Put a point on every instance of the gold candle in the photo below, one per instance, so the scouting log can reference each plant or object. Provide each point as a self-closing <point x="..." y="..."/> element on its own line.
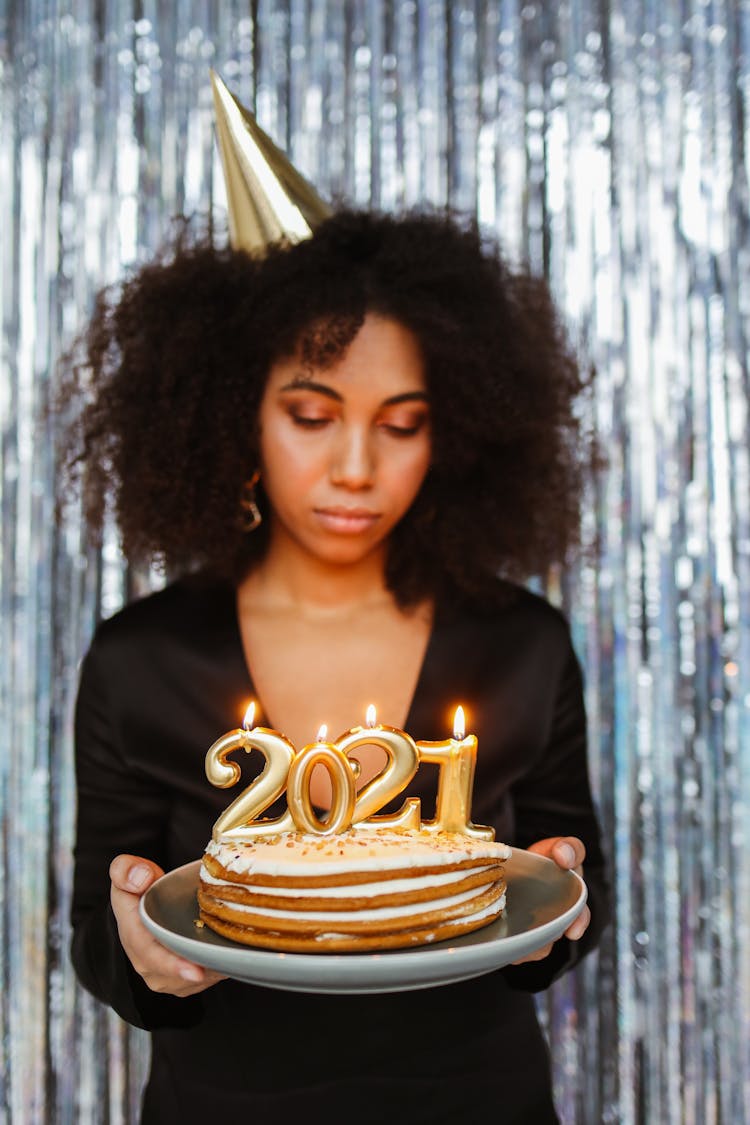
<point x="457" y="758"/>
<point x="235" y="822"/>
<point x="402" y="764"/>
<point x="343" y="792"/>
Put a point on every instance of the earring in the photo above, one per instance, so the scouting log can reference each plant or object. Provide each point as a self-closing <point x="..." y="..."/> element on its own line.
<point x="250" y="516"/>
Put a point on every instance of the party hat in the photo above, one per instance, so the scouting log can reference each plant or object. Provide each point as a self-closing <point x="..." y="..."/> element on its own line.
<point x="267" y="197"/>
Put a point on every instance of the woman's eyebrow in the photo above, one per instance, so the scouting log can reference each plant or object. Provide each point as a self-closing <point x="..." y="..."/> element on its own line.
<point x="302" y="384"/>
<point x="407" y="396"/>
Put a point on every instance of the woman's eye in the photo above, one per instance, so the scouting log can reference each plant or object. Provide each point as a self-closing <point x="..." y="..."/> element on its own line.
<point x="309" y="423"/>
<point x="405" y="429"/>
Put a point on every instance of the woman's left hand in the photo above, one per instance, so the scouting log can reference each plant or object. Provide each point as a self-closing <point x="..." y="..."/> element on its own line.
<point x="569" y="853"/>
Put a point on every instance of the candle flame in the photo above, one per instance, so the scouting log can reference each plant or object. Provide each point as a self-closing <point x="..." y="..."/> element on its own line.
<point x="459" y="724"/>
<point x="371" y="716"/>
<point x="323" y="732"/>
<point x="249" y="721"/>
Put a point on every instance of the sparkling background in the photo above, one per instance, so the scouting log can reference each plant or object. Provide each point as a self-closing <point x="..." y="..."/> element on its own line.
<point x="607" y="145"/>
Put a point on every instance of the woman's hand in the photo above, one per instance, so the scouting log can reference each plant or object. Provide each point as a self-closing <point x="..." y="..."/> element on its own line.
<point x="569" y="853"/>
<point x="161" y="970"/>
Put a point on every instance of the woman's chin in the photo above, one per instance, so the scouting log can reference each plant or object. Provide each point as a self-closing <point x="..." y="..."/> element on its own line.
<point x="327" y="547"/>
<point x="346" y="550"/>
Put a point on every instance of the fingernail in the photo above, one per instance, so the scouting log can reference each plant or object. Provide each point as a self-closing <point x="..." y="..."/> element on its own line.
<point x="138" y="876"/>
<point x="191" y="973"/>
<point x="566" y="854"/>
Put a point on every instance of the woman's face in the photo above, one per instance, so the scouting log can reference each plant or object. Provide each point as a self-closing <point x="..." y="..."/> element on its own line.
<point x="344" y="449"/>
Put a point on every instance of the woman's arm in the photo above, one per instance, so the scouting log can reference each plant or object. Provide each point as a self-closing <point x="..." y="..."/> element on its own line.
<point x="554" y="800"/>
<point x="120" y="810"/>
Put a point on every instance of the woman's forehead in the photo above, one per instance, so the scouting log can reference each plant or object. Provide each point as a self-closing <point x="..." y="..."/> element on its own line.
<point x="382" y="352"/>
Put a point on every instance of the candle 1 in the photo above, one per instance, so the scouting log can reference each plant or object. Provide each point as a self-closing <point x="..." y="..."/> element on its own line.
<point x="457" y="758"/>
<point x="343" y="793"/>
<point x="235" y="822"/>
<point x="402" y="764"/>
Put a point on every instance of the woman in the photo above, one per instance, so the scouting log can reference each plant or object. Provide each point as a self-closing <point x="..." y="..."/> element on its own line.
<point x="398" y="408"/>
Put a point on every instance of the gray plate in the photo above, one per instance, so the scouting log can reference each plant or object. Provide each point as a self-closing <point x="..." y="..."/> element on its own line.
<point x="542" y="902"/>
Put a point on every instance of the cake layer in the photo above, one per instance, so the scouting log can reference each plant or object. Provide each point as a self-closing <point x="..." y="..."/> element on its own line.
<point x="332" y="942"/>
<point x="382" y="920"/>
<point x="298" y="859"/>
<point x="356" y="896"/>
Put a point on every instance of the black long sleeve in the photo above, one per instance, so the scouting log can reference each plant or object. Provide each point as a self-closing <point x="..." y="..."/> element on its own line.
<point x="554" y="799"/>
<point x="119" y="810"/>
<point x="163" y="679"/>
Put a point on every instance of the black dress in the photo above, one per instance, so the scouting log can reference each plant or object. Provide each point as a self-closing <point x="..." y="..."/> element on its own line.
<point x="163" y="679"/>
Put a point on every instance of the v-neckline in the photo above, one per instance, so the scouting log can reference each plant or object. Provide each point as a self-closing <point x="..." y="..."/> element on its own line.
<point x="420" y="685"/>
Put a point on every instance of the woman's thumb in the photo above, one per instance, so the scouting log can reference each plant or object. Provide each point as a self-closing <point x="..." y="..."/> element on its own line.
<point x="132" y="874"/>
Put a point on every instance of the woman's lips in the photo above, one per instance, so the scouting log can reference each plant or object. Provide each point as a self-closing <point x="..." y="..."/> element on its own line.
<point x="347" y="521"/>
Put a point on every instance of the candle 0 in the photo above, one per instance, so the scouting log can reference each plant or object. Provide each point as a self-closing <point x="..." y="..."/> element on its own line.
<point x="456" y="758"/>
<point x="235" y="822"/>
<point x="402" y="764"/>
<point x="342" y="786"/>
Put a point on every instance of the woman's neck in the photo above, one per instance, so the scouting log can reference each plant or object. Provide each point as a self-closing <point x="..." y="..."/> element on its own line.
<point x="288" y="578"/>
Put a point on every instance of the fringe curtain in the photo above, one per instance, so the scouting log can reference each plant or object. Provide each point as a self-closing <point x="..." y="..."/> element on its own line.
<point x="606" y="144"/>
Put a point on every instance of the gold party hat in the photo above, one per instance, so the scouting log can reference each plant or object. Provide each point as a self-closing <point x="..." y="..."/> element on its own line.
<point x="267" y="197"/>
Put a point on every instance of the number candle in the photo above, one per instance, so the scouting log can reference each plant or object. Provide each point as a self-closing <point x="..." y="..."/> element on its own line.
<point x="457" y="758"/>
<point x="402" y="764"/>
<point x="342" y="787"/>
<point x="235" y="822"/>
<point x="286" y="769"/>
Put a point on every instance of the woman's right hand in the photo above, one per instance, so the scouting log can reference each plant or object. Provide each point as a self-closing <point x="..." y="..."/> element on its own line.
<point x="161" y="970"/>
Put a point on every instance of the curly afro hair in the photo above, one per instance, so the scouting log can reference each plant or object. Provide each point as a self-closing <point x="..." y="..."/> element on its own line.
<point x="170" y="374"/>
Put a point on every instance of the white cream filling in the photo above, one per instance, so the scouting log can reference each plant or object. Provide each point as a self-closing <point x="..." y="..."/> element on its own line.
<point x="488" y="912"/>
<point x="485" y="912"/>
<point x="353" y="890"/>
<point x="367" y="915"/>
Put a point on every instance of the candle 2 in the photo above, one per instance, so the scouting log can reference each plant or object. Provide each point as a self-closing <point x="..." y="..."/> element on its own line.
<point x="402" y="764"/>
<point x="235" y="822"/>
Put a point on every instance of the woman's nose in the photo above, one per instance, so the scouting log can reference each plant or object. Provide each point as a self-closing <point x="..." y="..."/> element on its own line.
<point x="352" y="463"/>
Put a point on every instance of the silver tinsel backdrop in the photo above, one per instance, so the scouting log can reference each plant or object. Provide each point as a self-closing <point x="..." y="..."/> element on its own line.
<point x="607" y="144"/>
